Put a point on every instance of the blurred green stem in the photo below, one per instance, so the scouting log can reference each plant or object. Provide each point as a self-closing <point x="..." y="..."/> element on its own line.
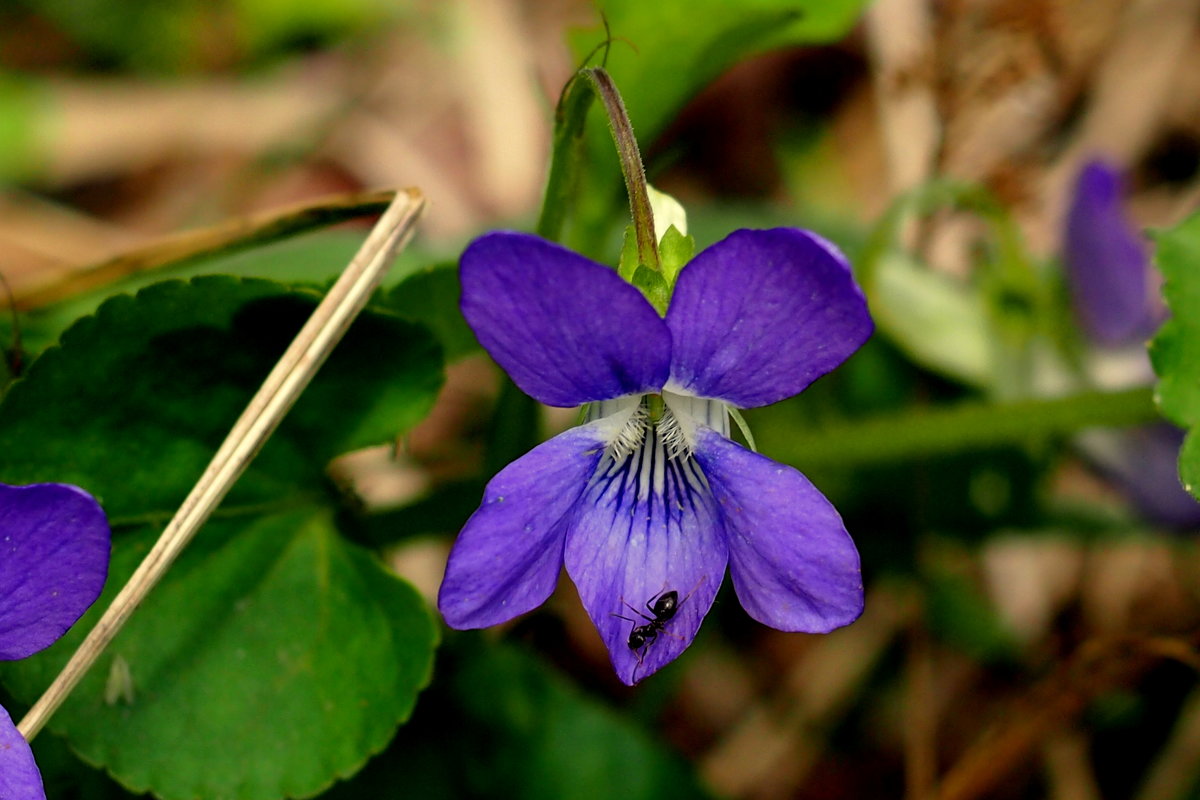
<point x="566" y="158"/>
<point x="910" y="435"/>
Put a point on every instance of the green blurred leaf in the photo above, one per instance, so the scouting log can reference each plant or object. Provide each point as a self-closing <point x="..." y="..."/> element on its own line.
<point x="178" y="35"/>
<point x="274" y="658"/>
<point x="940" y="324"/>
<point x="137" y="398"/>
<point x="499" y="724"/>
<point x="683" y="45"/>
<point x="22" y="116"/>
<point x="1175" y="352"/>
<point x="961" y="616"/>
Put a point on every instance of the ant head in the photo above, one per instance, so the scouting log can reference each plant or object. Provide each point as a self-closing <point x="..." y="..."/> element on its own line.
<point x="637" y="638"/>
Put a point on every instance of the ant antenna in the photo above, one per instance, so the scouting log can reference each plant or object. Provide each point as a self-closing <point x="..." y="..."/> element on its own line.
<point x="13" y="355"/>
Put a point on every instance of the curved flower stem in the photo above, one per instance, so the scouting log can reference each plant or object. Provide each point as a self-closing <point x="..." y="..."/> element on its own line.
<point x="631" y="165"/>
<point x="296" y="368"/>
<point x="967" y="426"/>
<point x="576" y="100"/>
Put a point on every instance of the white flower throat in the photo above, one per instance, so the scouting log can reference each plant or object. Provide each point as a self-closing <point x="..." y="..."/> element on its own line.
<point x="651" y="439"/>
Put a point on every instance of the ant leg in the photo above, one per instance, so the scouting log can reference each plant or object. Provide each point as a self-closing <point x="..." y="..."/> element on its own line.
<point x="634" y="610"/>
<point x="641" y="656"/>
<point x="650" y="603"/>
<point x="692" y="591"/>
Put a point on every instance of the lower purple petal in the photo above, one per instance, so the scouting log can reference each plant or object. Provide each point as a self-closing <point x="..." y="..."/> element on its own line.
<point x="793" y="565"/>
<point x="54" y="550"/>
<point x="1145" y="462"/>
<point x="507" y="559"/>
<point x="19" y="776"/>
<point x="645" y="526"/>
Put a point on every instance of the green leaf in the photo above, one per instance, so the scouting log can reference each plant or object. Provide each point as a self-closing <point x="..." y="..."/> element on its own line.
<point x="314" y="259"/>
<point x="271" y="631"/>
<point x="137" y="399"/>
<point x="1175" y="352"/>
<point x="430" y="296"/>
<point x="497" y="723"/>
<point x="274" y="658"/>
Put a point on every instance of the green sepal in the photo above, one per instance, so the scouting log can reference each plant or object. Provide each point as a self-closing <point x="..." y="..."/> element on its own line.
<point x="675" y="250"/>
<point x="654" y="286"/>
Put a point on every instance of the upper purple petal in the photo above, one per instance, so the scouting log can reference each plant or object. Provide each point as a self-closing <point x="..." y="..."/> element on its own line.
<point x="566" y="329"/>
<point x="1106" y="261"/>
<point x="507" y="558"/>
<point x="19" y="776"/>
<point x="54" y="550"/>
<point x="760" y="315"/>
<point x="793" y="564"/>
<point x="629" y="543"/>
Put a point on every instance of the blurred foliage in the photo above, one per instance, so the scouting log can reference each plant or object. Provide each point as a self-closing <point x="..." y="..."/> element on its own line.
<point x="1176" y="350"/>
<point x="176" y="36"/>
<point x="661" y="56"/>
<point x="498" y="723"/>
<point x="281" y="655"/>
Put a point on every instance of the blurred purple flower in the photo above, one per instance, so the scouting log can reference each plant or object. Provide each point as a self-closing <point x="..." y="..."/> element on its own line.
<point x="1109" y="276"/>
<point x="1106" y="260"/>
<point x="54" y="549"/>
<point x="649" y="495"/>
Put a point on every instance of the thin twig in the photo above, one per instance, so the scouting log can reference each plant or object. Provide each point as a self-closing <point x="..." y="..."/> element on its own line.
<point x="227" y="237"/>
<point x="267" y="408"/>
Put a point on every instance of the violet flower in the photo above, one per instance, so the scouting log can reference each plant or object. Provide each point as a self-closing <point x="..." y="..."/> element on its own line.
<point x="650" y="495"/>
<point x="54" y="549"/>
<point x="1109" y="276"/>
<point x="1107" y="264"/>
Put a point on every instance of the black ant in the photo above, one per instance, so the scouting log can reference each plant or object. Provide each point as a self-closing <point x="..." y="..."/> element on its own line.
<point x="663" y="606"/>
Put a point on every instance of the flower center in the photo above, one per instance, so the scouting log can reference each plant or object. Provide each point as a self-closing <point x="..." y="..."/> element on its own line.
<point x="666" y="421"/>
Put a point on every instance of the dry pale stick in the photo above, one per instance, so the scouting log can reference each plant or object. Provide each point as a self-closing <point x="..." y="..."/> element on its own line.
<point x="279" y="391"/>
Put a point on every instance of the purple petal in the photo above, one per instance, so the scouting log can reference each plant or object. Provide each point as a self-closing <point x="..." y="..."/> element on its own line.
<point x="1144" y="461"/>
<point x="760" y="315"/>
<point x="1106" y="261"/>
<point x="646" y="526"/>
<point x="507" y="559"/>
<point x="793" y="565"/>
<point x="19" y="776"/>
<point x="568" y="330"/>
<point x="54" y="549"/>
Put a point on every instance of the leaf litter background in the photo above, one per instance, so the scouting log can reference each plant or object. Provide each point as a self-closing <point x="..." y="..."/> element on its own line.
<point x="1025" y="635"/>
